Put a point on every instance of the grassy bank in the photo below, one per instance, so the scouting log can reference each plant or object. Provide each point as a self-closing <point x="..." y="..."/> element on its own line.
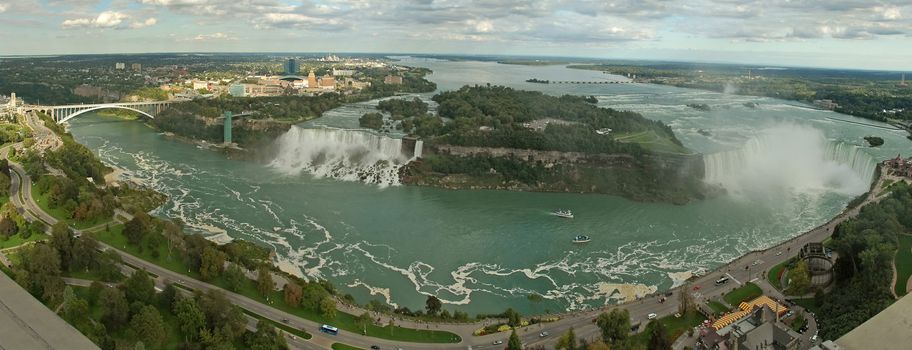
<point x="744" y="293"/>
<point x="340" y="346"/>
<point x="159" y="256"/>
<point x="17" y="240"/>
<point x="676" y="326"/>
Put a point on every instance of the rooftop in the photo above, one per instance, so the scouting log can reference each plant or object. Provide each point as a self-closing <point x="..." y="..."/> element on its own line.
<point x="25" y="323"/>
<point x="883" y="331"/>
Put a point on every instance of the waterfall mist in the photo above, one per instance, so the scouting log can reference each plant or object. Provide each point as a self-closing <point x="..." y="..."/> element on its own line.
<point x="791" y="159"/>
<point x="348" y="155"/>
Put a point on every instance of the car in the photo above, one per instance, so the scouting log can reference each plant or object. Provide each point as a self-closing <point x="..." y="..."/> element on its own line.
<point x="652" y="316"/>
<point x="756" y="262"/>
<point x="284" y="320"/>
<point x="543" y="334"/>
<point x="722" y="280"/>
<point x="374" y="347"/>
<point x="779" y="253"/>
<point x="497" y="342"/>
<point x="814" y="339"/>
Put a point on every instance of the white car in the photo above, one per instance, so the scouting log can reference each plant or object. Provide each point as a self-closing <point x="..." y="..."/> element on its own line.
<point x="779" y="253"/>
<point x="543" y="334"/>
<point x="652" y="316"/>
<point x="497" y="342"/>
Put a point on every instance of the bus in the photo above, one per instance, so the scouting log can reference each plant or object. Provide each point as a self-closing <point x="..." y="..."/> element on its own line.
<point x="329" y="329"/>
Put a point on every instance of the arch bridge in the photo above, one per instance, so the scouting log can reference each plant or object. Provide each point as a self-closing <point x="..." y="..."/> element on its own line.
<point x="63" y="113"/>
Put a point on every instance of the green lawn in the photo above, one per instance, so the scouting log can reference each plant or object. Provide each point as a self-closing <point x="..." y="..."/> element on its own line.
<point x="775" y="274"/>
<point x="674" y="325"/>
<point x="718" y="307"/>
<point x="903" y="263"/>
<point x="746" y="292"/>
<point x="282" y="326"/>
<point x="652" y="141"/>
<point x="799" y="322"/>
<point x="340" y="346"/>
<point x="343" y="321"/>
<point x="808" y="304"/>
<point x="17" y="240"/>
<point x="158" y="256"/>
<point x="42" y="200"/>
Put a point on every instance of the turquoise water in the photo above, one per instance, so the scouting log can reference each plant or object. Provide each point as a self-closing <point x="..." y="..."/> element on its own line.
<point x="787" y="168"/>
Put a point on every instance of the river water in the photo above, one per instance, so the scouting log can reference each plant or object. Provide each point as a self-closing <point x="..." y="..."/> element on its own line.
<point x="786" y="167"/>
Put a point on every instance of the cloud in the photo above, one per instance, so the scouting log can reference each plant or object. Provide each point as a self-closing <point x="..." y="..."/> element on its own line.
<point x="212" y="37"/>
<point x="108" y="20"/>
<point x="3" y="7"/>
<point x="151" y="21"/>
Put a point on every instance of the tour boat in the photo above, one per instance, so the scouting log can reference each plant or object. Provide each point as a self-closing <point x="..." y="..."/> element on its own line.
<point x="564" y="214"/>
<point x="581" y="239"/>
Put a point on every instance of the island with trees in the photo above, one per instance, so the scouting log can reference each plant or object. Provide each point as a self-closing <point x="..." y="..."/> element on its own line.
<point x="494" y="137"/>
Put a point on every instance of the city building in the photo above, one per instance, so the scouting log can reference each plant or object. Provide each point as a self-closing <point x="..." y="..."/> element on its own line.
<point x="756" y="326"/>
<point x="199" y="84"/>
<point x="393" y="80"/>
<point x="889" y="329"/>
<point x="342" y="72"/>
<point x="291" y="67"/>
<point x="136" y="67"/>
<point x="899" y="166"/>
<point x="327" y="82"/>
<point x="311" y="79"/>
<point x="120" y="65"/>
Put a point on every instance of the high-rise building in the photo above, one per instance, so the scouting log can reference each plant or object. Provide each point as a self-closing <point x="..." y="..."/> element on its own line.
<point x="291" y="67"/>
<point x="120" y="65"/>
<point x="311" y="80"/>
<point x="136" y="66"/>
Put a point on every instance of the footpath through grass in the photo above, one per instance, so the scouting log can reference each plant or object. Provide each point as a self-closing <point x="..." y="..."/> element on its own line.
<point x="746" y="292"/>
<point x="159" y="256"/>
<point x="903" y="262"/>
<point x="17" y="240"/>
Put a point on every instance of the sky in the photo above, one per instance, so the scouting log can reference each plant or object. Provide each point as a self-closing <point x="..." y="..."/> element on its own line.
<point x="835" y="33"/>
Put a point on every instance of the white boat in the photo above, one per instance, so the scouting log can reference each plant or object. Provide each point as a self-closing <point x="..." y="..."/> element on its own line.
<point x="581" y="239"/>
<point x="566" y="214"/>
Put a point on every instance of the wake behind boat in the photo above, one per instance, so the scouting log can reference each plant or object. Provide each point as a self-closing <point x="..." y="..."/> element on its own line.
<point x="581" y="239"/>
<point x="566" y="214"/>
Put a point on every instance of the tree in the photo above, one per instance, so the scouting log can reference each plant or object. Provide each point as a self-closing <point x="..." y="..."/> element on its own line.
<point x="212" y="263"/>
<point x="39" y="272"/>
<point x="432" y="305"/>
<point x="567" y="341"/>
<point x="658" y="336"/>
<point x="799" y="279"/>
<point x="293" y="294"/>
<point x="615" y="326"/>
<point x="685" y="299"/>
<point x="167" y="297"/>
<point x="598" y="345"/>
<point x="513" y="318"/>
<point x="221" y="315"/>
<point x="362" y="321"/>
<point x="84" y="252"/>
<point x="265" y="338"/>
<point x="115" y="310"/>
<point x="328" y="307"/>
<point x="149" y="326"/>
<point x="514" y="343"/>
<point x="264" y="281"/>
<point x="7" y="227"/>
<point x="62" y="241"/>
<point x="190" y="318"/>
<point x="135" y="229"/>
<point x="234" y="278"/>
<point x="139" y="287"/>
